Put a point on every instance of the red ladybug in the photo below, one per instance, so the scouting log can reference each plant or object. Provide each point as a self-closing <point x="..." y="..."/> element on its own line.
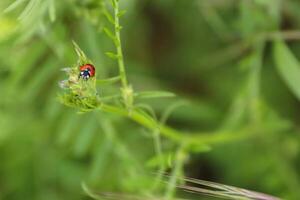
<point x="87" y="71"/>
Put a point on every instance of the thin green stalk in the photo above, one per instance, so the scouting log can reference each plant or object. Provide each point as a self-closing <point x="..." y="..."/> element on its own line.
<point x="157" y="145"/>
<point x="178" y="167"/>
<point x="158" y="152"/>
<point x="119" y="45"/>
<point x="255" y="82"/>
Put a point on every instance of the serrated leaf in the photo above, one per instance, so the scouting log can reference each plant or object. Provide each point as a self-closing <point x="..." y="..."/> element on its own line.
<point x="112" y="55"/>
<point x="154" y="94"/>
<point x="14" y="5"/>
<point x="288" y="67"/>
<point x="108" y="81"/>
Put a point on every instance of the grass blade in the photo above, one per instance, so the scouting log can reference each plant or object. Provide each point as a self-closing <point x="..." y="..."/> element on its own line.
<point x="287" y="66"/>
<point x="118" y="196"/>
<point x="222" y="191"/>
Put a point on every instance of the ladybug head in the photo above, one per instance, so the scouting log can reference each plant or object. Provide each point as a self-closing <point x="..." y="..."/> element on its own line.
<point x="85" y="74"/>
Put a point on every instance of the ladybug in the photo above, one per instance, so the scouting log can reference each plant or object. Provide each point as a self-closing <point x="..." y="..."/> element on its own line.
<point x="86" y="71"/>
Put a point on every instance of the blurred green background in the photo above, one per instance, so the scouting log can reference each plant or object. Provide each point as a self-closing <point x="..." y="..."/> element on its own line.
<point x="232" y="62"/>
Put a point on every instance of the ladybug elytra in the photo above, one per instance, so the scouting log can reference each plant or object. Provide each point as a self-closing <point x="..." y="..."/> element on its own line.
<point x="86" y="71"/>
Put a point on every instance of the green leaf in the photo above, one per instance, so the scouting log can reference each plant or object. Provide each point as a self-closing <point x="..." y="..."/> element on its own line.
<point x="88" y="191"/>
<point x="81" y="55"/>
<point x="14" y="5"/>
<point x="287" y="66"/>
<point x="79" y="52"/>
<point x="112" y="55"/>
<point x="108" y="81"/>
<point x="154" y="94"/>
<point x="147" y="108"/>
<point x="199" y="148"/>
<point x="121" y="13"/>
<point x="113" y="3"/>
<point x="110" y="34"/>
<point x="156" y="161"/>
<point x="109" y="17"/>
<point x="171" y="108"/>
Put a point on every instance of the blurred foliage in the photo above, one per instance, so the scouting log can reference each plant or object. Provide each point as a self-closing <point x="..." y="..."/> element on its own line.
<point x="233" y="65"/>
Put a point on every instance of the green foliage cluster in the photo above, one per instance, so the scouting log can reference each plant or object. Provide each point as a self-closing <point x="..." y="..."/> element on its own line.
<point x="232" y="63"/>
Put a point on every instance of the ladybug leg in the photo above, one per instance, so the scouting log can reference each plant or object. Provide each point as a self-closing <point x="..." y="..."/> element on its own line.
<point x="85" y="77"/>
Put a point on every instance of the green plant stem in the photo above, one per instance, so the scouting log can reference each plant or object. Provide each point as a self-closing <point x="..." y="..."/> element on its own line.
<point x="178" y="165"/>
<point x="119" y="45"/>
<point x="158" y="151"/>
<point x="255" y="81"/>
<point x="157" y="146"/>
<point x="195" y="138"/>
